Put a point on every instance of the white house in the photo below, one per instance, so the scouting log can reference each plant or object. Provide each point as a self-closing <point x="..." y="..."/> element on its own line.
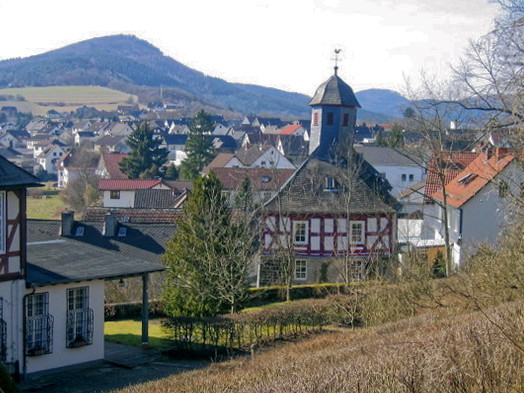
<point x="481" y="201"/>
<point x="52" y="293"/>
<point x="401" y="171"/>
<point x="121" y="193"/>
<point x="49" y="157"/>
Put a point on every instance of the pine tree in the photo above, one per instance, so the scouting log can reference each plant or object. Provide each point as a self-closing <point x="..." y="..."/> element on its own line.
<point x="208" y="257"/>
<point x="146" y="156"/>
<point x="199" y="146"/>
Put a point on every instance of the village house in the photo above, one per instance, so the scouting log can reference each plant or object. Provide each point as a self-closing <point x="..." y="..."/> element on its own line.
<point x="334" y="218"/>
<point x="486" y="191"/>
<point x="52" y="293"/>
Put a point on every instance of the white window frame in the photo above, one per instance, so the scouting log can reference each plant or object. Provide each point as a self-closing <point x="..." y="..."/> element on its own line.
<point x="303" y="237"/>
<point x="300" y="269"/>
<point x="362" y="236"/>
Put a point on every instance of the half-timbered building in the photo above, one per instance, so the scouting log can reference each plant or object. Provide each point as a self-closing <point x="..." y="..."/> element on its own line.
<point x="334" y="217"/>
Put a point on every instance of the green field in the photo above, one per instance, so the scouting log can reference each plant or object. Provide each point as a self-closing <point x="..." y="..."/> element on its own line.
<point x="39" y="100"/>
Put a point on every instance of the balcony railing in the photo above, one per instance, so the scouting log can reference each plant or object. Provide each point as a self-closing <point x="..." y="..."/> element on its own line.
<point x="39" y="335"/>
<point x="79" y="328"/>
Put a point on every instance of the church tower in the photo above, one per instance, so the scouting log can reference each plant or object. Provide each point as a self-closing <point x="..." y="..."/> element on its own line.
<point x="333" y="118"/>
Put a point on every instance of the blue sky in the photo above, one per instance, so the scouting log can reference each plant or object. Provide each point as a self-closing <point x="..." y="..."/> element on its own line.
<point x="287" y="44"/>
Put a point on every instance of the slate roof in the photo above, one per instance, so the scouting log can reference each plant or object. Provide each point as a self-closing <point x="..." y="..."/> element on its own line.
<point x="249" y="155"/>
<point x="262" y="179"/>
<point x="473" y="178"/>
<point x="386" y="156"/>
<point x="145" y="242"/>
<point x="176" y="139"/>
<point x="452" y="163"/>
<point x="147" y="216"/>
<point x="334" y="91"/>
<point x="306" y="193"/>
<point x="14" y="176"/>
<point x="65" y="261"/>
<point x="155" y="198"/>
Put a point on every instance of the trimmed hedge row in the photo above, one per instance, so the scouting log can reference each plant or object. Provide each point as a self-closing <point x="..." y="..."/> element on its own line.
<point x="259" y="297"/>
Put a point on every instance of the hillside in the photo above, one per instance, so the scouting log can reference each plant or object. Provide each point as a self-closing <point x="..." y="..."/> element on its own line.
<point x="134" y="66"/>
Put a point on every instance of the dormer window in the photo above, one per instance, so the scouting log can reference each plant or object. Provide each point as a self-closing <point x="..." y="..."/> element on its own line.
<point x="331" y="184"/>
<point x="265" y="179"/>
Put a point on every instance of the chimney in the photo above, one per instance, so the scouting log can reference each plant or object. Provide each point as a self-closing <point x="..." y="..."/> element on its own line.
<point x="110" y="225"/>
<point x="68" y="223"/>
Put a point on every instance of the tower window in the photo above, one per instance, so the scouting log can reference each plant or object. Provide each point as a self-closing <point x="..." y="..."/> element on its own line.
<point x="345" y="122"/>
<point x="330" y="118"/>
<point x="315" y="119"/>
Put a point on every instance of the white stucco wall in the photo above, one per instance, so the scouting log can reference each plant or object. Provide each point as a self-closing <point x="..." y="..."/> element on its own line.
<point x="127" y="199"/>
<point x="61" y="355"/>
<point x="394" y="176"/>
<point x="11" y="293"/>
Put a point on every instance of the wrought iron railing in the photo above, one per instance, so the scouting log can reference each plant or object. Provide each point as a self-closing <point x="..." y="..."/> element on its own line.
<point x="79" y="328"/>
<point x="39" y="335"/>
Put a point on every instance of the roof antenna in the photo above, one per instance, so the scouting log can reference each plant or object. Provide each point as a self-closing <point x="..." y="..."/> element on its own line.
<point x="337" y="51"/>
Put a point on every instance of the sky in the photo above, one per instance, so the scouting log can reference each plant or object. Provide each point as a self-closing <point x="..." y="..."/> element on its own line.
<point x="286" y="44"/>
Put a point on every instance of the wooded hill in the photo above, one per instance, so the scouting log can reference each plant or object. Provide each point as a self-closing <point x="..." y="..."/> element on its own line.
<point x="134" y="66"/>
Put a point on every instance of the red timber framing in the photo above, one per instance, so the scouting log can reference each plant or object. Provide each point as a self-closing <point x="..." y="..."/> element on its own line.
<point x="327" y="235"/>
<point x="15" y="246"/>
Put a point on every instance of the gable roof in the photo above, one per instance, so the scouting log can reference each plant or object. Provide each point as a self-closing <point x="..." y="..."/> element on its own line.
<point x="249" y="155"/>
<point x="155" y="198"/>
<point x="14" y="176"/>
<point x="262" y="179"/>
<point x="306" y="193"/>
<point x="220" y="160"/>
<point x="451" y="162"/>
<point x="111" y="164"/>
<point x="387" y="156"/>
<point x="481" y="171"/>
<point x="290" y="129"/>
<point x="127" y="184"/>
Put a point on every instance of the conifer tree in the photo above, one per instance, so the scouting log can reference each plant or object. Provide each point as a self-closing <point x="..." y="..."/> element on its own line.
<point x="146" y="156"/>
<point x="199" y="146"/>
<point x="208" y="257"/>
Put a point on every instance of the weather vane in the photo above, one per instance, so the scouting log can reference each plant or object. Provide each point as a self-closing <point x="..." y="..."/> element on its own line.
<point x="337" y="51"/>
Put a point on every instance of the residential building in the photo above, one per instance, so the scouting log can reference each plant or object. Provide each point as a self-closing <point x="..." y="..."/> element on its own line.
<point x="481" y="201"/>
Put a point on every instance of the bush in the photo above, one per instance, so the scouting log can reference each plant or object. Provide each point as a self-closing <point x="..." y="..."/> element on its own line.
<point x="132" y="310"/>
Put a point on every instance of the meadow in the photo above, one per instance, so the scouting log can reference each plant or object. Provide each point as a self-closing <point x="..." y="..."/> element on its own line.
<point x="39" y="100"/>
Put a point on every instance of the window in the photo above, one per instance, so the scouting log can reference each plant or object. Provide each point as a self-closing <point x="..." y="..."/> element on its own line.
<point x="122" y="232"/>
<point x="355" y="270"/>
<point x="315" y="118"/>
<point x="331" y="184"/>
<point x="300" y="269"/>
<point x="403" y="177"/>
<point x="300" y="232"/>
<point x="503" y="189"/>
<point x="356" y="232"/>
<point x="345" y="122"/>
<point x="411" y="177"/>
<point x="39" y="325"/>
<point x="79" y="318"/>
<point x="3" y="225"/>
<point x="330" y="118"/>
<point x="114" y="194"/>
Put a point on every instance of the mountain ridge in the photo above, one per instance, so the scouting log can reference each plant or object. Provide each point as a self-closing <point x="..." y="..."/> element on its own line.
<point x="133" y="65"/>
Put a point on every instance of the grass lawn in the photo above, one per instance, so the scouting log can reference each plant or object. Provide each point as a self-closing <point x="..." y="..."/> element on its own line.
<point x="45" y="208"/>
<point x="129" y="332"/>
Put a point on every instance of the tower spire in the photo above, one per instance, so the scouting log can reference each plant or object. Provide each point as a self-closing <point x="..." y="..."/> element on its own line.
<point x="337" y="51"/>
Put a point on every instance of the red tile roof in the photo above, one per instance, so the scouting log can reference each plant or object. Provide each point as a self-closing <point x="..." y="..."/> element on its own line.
<point x="127" y="184"/>
<point x="451" y="162"/>
<point x="111" y="162"/>
<point x="473" y="178"/>
<point x="289" y="129"/>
